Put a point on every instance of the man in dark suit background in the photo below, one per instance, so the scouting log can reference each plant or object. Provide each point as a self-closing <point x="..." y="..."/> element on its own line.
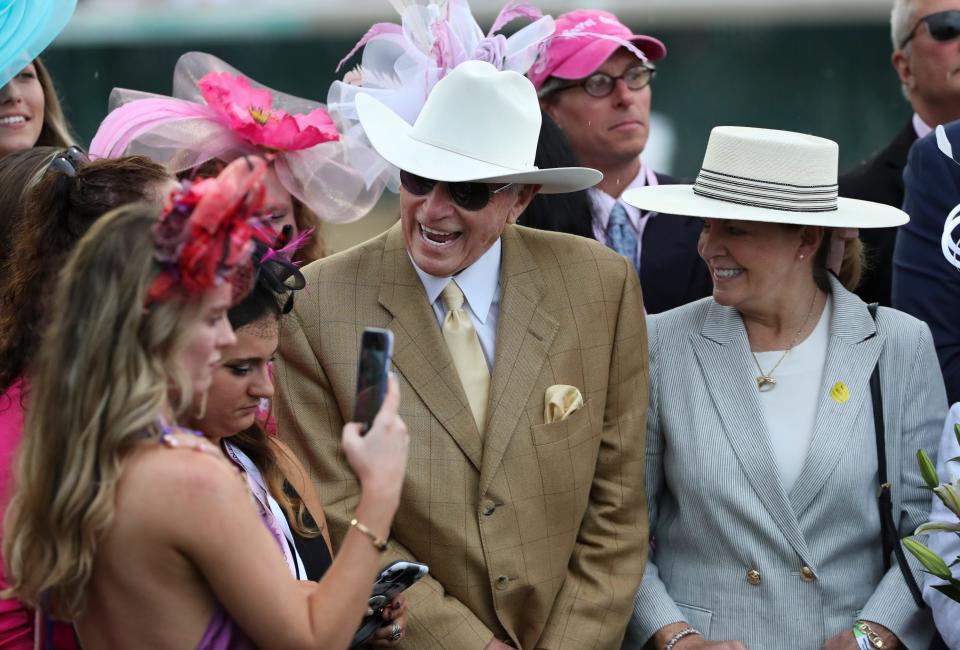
<point x="594" y="82"/>
<point x="926" y="57"/>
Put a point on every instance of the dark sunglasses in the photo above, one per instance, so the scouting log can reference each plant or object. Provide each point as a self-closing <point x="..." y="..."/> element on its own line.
<point x="67" y="161"/>
<point x="470" y="196"/>
<point x="943" y="26"/>
<point x="601" y="84"/>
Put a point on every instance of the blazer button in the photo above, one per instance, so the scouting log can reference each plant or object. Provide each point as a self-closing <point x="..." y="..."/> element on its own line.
<point x="807" y="574"/>
<point x="753" y="577"/>
<point x="487" y="508"/>
<point x="502" y="582"/>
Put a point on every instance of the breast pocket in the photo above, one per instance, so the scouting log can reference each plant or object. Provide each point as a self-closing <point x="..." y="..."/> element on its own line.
<point x="565" y="433"/>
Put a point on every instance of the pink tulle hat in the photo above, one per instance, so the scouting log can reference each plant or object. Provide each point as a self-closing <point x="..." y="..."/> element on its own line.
<point x="583" y="40"/>
<point x="218" y="113"/>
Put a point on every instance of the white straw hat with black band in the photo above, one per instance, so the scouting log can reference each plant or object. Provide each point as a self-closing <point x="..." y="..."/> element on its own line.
<point x="766" y="175"/>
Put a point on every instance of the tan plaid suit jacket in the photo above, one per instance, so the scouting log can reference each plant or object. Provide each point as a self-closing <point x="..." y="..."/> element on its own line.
<point x="533" y="532"/>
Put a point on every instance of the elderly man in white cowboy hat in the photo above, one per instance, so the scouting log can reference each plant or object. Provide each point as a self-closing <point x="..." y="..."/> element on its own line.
<point x="765" y="454"/>
<point x="522" y="360"/>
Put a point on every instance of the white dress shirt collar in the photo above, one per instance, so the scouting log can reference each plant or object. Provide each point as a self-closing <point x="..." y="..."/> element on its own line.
<point x="921" y="127"/>
<point x="479" y="281"/>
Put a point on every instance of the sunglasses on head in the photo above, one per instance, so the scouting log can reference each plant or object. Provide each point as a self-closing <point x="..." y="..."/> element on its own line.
<point x="943" y="26"/>
<point x="66" y="162"/>
<point x="469" y="195"/>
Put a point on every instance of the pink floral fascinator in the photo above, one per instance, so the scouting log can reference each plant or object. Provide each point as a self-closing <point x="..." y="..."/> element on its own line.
<point x="217" y="113"/>
<point x="401" y="63"/>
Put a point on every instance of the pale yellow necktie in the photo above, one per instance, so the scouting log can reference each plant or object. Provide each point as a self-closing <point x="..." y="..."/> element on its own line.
<point x="468" y="359"/>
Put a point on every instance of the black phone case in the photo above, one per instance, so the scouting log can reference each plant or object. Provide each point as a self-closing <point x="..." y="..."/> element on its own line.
<point x="393" y="580"/>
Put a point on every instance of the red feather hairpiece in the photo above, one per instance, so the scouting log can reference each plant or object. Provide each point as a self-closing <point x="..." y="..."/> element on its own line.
<point x="207" y="228"/>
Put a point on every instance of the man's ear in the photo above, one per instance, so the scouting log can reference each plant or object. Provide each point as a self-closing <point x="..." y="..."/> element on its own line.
<point x="524" y="195"/>
<point x="901" y="63"/>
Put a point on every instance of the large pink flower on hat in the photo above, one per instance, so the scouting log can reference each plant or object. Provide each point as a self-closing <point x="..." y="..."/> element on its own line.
<point x="249" y="113"/>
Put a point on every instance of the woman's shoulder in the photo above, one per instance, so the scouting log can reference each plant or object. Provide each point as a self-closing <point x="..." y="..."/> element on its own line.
<point x="176" y="468"/>
<point x="688" y="317"/>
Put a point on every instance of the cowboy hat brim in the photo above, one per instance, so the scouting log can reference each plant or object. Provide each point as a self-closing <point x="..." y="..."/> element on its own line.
<point x="27" y="27"/>
<point x="392" y="137"/>
<point x="681" y="200"/>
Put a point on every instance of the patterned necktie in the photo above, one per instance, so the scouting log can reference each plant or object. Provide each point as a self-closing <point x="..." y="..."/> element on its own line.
<point x="468" y="359"/>
<point x="620" y="235"/>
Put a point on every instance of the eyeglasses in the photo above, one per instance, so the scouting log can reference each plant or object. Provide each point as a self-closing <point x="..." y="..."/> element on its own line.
<point x="943" y="26"/>
<point x="601" y="84"/>
<point x="470" y="196"/>
<point x="67" y="161"/>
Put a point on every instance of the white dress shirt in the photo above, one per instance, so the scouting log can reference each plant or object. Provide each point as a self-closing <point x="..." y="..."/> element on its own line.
<point x="946" y="612"/>
<point x="603" y="203"/>
<point x="480" y="284"/>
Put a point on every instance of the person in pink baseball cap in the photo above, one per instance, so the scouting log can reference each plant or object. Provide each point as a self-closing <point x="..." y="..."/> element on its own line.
<point x="593" y="78"/>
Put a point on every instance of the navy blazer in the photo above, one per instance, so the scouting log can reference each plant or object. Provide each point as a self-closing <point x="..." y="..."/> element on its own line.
<point x="924" y="283"/>
<point x="671" y="271"/>
<point x="879" y="179"/>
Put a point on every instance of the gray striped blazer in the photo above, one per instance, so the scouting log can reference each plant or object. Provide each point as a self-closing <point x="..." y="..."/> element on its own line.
<point x="735" y="555"/>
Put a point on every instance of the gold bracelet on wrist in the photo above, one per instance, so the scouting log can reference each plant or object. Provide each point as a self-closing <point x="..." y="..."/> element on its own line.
<point x="378" y="542"/>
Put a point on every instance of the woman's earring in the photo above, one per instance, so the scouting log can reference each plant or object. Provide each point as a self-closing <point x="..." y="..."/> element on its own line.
<point x="802" y="255"/>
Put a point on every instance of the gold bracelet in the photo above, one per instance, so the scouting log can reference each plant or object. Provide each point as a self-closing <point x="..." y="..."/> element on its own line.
<point x="378" y="542"/>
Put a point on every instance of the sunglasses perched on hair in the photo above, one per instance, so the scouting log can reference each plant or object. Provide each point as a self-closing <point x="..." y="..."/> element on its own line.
<point x="470" y="196"/>
<point x="67" y="161"/>
<point x="943" y="26"/>
<point x="601" y="84"/>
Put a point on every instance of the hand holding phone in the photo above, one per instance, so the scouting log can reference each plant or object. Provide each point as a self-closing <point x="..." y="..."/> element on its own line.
<point x="393" y="580"/>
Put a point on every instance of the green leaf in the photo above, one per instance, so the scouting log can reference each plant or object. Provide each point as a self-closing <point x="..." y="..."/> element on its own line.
<point x="954" y="459"/>
<point x="950" y="591"/>
<point x="937" y="527"/>
<point x="927" y="469"/>
<point x="932" y="562"/>
<point x="956" y="432"/>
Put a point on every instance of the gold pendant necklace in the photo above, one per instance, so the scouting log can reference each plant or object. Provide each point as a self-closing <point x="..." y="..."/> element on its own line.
<point x="765" y="380"/>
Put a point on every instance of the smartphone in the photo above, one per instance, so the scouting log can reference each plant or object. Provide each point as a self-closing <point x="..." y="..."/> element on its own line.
<point x="376" y="352"/>
<point x="393" y="580"/>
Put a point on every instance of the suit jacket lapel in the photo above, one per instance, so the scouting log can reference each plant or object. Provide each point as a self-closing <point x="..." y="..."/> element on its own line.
<point x="852" y="353"/>
<point x="420" y="353"/>
<point x="723" y="351"/>
<point x="525" y="332"/>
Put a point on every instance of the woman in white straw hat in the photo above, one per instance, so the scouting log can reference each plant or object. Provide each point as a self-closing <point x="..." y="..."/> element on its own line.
<point x="762" y="460"/>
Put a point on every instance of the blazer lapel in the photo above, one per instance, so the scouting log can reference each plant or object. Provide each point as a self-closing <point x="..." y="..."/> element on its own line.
<point x="723" y="351"/>
<point x="852" y="353"/>
<point x="525" y="332"/>
<point x="420" y="353"/>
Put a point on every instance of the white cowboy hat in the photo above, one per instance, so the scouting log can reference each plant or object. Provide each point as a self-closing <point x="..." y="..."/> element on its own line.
<point x="27" y="27"/>
<point x="765" y="175"/>
<point x="478" y="124"/>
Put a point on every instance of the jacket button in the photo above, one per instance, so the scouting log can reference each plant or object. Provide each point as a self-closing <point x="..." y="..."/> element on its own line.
<point x="753" y="577"/>
<point x="487" y="508"/>
<point x="807" y="574"/>
<point x="502" y="582"/>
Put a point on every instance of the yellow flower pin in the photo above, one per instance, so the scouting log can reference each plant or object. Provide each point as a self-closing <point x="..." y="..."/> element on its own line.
<point x="840" y="393"/>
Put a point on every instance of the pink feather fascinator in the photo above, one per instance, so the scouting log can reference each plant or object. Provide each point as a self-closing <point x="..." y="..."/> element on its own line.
<point x="218" y="113"/>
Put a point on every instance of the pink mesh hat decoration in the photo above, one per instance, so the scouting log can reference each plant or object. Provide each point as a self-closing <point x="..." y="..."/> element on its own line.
<point x="218" y="113"/>
<point x="584" y="39"/>
<point x="402" y="63"/>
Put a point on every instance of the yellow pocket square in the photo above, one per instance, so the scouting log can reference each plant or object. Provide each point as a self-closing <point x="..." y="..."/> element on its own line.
<point x="560" y="401"/>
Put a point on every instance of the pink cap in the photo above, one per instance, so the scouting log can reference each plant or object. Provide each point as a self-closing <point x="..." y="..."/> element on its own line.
<point x="570" y="56"/>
